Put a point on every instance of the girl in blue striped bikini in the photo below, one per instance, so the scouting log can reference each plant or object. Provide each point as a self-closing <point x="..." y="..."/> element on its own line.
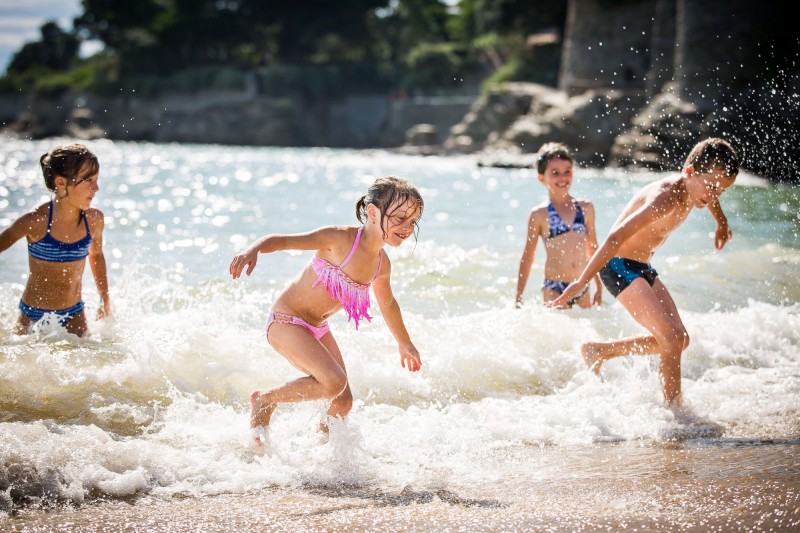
<point x="61" y="235"/>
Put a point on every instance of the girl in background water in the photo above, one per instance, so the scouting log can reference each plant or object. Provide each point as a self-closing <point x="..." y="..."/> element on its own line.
<point x="61" y="234"/>
<point x="568" y="246"/>
<point x="347" y="261"/>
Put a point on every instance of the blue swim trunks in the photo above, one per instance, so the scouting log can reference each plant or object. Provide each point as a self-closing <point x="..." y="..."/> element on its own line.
<point x="64" y="315"/>
<point x="620" y="272"/>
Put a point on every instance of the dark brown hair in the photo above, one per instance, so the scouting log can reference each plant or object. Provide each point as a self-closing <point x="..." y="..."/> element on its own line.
<point x="67" y="161"/>
<point x="385" y="192"/>
<point x="714" y="153"/>
<point x="550" y="151"/>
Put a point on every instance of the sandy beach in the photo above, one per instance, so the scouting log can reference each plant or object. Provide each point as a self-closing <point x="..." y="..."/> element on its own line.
<point x="720" y="486"/>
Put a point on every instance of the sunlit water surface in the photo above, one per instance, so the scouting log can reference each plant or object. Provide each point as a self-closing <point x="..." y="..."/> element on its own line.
<point x="503" y="428"/>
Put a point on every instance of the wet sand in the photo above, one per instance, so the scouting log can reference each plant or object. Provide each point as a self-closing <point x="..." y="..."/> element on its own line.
<point x="725" y="485"/>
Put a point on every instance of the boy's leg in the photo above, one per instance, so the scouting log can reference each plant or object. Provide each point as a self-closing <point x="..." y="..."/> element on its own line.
<point x="326" y="378"/>
<point x="653" y="308"/>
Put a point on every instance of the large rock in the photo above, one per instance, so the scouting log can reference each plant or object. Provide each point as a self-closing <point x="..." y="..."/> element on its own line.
<point x="493" y="113"/>
<point x="518" y="118"/>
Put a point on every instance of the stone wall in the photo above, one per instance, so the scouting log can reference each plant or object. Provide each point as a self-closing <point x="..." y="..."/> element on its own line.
<point x="231" y="117"/>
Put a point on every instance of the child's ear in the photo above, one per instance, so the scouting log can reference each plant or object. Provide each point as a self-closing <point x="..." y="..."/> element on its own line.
<point x="540" y="177"/>
<point x="688" y="170"/>
<point x="373" y="213"/>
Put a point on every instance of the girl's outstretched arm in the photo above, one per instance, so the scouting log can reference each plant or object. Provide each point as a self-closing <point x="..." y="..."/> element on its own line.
<point x="318" y="239"/>
<point x="97" y="262"/>
<point x="390" y="309"/>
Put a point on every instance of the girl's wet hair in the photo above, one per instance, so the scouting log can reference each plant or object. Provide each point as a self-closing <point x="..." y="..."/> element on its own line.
<point x="714" y="153"/>
<point x="550" y="151"/>
<point x="384" y="193"/>
<point x="68" y="161"/>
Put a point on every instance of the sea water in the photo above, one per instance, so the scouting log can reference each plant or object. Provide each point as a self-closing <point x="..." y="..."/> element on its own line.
<point x="154" y="403"/>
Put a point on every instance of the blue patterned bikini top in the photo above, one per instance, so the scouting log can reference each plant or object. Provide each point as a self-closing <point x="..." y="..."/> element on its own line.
<point x="48" y="248"/>
<point x="558" y="227"/>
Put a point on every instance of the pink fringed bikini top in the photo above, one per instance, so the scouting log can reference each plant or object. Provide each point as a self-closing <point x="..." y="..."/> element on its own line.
<point x="353" y="296"/>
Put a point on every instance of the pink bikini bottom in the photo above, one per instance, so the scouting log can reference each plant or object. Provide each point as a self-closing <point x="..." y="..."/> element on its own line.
<point x="283" y="318"/>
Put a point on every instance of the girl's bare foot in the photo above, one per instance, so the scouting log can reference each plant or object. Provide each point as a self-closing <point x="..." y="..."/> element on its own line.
<point x="260" y="414"/>
<point x="591" y="356"/>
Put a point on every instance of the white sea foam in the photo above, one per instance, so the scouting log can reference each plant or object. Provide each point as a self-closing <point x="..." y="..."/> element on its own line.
<point x="155" y="400"/>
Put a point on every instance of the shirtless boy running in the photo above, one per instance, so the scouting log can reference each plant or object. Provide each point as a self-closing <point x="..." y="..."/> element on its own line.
<point x="623" y="260"/>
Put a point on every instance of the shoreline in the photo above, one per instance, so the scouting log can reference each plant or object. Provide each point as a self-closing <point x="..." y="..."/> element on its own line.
<point x="725" y="485"/>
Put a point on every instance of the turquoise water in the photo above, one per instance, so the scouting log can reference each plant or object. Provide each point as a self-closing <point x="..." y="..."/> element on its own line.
<point x="154" y="402"/>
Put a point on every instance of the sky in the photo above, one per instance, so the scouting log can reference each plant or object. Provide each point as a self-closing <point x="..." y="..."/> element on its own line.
<point x="20" y="21"/>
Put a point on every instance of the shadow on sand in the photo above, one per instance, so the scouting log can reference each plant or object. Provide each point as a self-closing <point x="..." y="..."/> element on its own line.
<point x="377" y="498"/>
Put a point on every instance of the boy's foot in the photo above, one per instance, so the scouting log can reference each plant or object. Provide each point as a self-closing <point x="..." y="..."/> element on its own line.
<point x="260" y="414"/>
<point x="591" y="356"/>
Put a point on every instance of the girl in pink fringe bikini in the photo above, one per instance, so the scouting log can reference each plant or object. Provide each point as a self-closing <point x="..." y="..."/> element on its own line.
<point x="348" y="260"/>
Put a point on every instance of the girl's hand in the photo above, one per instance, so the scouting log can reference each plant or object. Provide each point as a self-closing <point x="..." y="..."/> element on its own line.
<point x="247" y="259"/>
<point x="104" y="311"/>
<point x="409" y="357"/>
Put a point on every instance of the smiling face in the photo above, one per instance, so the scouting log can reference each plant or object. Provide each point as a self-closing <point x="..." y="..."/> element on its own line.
<point x="708" y="186"/>
<point x="400" y="221"/>
<point x="557" y="176"/>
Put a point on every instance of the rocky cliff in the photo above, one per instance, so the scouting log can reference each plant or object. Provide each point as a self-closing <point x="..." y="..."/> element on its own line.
<point x="641" y="82"/>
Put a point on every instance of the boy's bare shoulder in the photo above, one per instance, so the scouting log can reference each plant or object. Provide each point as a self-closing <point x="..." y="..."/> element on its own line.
<point x="670" y="190"/>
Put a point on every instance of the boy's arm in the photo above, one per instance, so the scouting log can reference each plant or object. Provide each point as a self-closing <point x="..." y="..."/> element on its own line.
<point x="97" y="262"/>
<point x="390" y="309"/>
<point x="313" y="240"/>
<point x="650" y="211"/>
<point x="526" y="262"/>
<point x="723" y="233"/>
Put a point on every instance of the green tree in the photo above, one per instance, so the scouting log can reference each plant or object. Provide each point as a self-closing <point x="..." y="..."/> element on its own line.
<point x="407" y="24"/>
<point x="56" y="50"/>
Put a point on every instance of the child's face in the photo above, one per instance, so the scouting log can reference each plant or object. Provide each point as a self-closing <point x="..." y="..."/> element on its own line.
<point x="401" y="220"/>
<point x="713" y="184"/>
<point x="81" y="192"/>
<point x="557" y="176"/>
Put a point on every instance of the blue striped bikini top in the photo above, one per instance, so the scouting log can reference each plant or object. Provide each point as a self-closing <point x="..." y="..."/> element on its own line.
<point x="48" y="248"/>
<point x="558" y="226"/>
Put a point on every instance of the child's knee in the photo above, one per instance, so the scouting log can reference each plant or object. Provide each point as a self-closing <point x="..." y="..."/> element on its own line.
<point x="336" y="384"/>
<point x="676" y="338"/>
<point x="344" y="402"/>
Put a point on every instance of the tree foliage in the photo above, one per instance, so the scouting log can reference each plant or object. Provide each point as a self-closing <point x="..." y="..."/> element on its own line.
<point x="433" y="41"/>
<point x="56" y="51"/>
